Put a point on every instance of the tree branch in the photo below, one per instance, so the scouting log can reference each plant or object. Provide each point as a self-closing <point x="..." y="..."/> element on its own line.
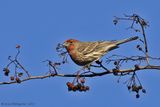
<point x="86" y="75"/>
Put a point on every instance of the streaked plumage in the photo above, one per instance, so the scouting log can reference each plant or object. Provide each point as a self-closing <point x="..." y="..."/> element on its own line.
<point x="84" y="53"/>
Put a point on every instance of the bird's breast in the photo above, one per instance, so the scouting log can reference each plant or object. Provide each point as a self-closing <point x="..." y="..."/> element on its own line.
<point x="70" y="48"/>
<point x="79" y="59"/>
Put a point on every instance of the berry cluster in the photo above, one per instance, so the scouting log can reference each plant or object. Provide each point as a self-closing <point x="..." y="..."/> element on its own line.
<point x="78" y="87"/>
<point x="17" y="79"/>
<point x="13" y="78"/>
<point x="135" y="88"/>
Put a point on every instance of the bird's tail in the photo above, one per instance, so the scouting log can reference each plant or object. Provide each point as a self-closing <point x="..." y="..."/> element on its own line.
<point x="126" y="40"/>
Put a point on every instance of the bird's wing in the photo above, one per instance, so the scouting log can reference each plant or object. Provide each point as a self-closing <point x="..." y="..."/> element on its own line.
<point x="87" y="47"/>
<point x="95" y="48"/>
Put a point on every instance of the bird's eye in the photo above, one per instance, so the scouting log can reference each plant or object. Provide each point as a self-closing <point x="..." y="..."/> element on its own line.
<point x="71" y="42"/>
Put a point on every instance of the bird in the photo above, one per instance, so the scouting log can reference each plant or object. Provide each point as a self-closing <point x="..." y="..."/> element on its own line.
<point x="85" y="53"/>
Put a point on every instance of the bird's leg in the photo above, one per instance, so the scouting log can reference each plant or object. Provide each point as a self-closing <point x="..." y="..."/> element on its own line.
<point x="101" y="65"/>
<point x="98" y="62"/>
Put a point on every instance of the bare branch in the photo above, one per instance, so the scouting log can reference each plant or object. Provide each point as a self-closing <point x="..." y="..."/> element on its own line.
<point x="136" y="19"/>
<point x="97" y="74"/>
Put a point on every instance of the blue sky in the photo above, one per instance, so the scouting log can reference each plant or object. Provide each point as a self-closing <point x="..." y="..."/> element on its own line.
<point x="38" y="25"/>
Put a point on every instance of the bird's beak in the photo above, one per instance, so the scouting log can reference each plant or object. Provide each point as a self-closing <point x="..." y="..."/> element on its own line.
<point x="65" y="44"/>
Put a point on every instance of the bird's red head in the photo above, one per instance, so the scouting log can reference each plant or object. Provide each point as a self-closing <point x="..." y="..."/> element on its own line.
<point x="71" y="41"/>
<point x="70" y="44"/>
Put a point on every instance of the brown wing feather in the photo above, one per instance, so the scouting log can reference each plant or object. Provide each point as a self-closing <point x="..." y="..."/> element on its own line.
<point x="87" y="47"/>
<point x="95" y="47"/>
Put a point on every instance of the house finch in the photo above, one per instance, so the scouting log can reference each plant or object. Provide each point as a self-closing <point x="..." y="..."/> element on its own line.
<point x="85" y="53"/>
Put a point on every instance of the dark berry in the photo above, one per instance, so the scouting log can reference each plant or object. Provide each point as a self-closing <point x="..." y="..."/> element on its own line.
<point x="143" y="90"/>
<point x="87" y="88"/>
<point x="129" y="87"/>
<point x="136" y="67"/>
<point x="82" y="80"/>
<point x="18" y="80"/>
<point x="140" y="49"/>
<point x="18" y="46"/>
<point x="79" y="85"/>
<point x="69" y="84"/>
<point x="137" y="95"/>
<point x="12" y="78"/>
<point x="69" y="89"/>
<point x="6" y="71"/>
